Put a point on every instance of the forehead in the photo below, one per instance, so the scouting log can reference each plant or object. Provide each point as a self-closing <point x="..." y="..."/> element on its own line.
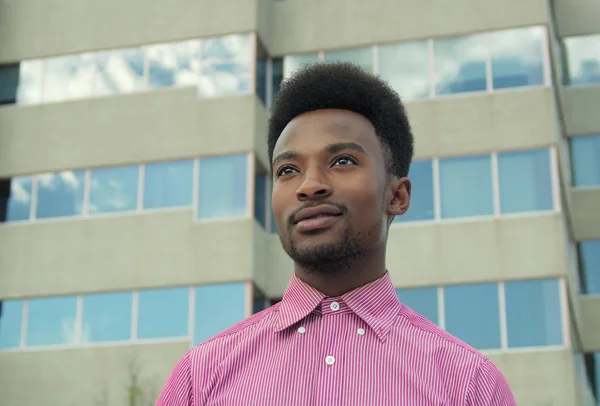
<point x="312" y="132"/>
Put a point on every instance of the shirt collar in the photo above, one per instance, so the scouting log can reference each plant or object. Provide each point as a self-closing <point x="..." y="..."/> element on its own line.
<point x="376" y="303"/>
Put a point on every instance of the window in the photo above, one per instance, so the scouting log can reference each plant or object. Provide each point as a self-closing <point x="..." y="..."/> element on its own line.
<point x="225" y="65"/>
<point x="60" y="194"/>
<point x="260" y="199"/>
<point x="292" y="63"/>
<point x="262" y="60"/>
<point x="466" y="186"/>
<point x="472" y="314"/>
<point x="585" y="159"/>
<point x="406" y="68"/>
<point x="460" y="64"/>
<point x="69" y="77"/>
<point x="106" y="317"/>
<point x="174" y="64"/>
<point x="422" y="300"/>
<point x="222" y="190"/>
<point x="9" y="83"/>
<point x="163" y="313"/>
<point x="114" y="189"/>
<point x="168" y="184"/>
<point x="11" y="314"/>
<point x="19" y="201"/>
<point x="277" y="75"/>
<point x="533" y="313"/>
<point x="589" y="259"/>
<point x="362" y="57"/>
<point x="217" y="308"/>
<point x="120" y="71"/>
<point x="421" y="200"/>
<point x="51" y="321"/>
<point x="583" y="59"/>
<point x="517" y="57"/>
<point x="525" y="181"/>
<point x="30" y="82"/>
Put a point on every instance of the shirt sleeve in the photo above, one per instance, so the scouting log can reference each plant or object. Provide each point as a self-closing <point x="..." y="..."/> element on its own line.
<point x="177" y="391"/>
<point x="489" y="388"/>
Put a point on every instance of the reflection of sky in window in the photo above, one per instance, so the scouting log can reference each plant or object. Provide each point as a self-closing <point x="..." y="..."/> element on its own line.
<point x="294" y="62"/>
<point x="51" y="321"/>
<point x="9" y="82"/>
<point x="163" y="313"/>
<point x="68" y="77"/>
<point x="362" y="57"/>
<point x="30" y="82"/>
<point x="583" y="59"/>
<point x="168" y="184"/>
<point x="472" y="314"/>
<point x="589" y="254"/>
<point x="217" y="308"/>
<point x="406" y="68"/>
<point x="173" y="64"/>
<point x="107" y="317"/>
<point x="517" y="57"/>
<point x="223" y="183"/>
<point x="19" y="202"/>
<point x="225" y="65"/>
<point x="422" y="300"/>
<point x="525" y="183"/>
<point x="277" y="75"/>
<point x="260" y="196"/>
<point x="460" y="64"/>
<point x="533" y="313"/>
<point x="10" y="323"/>
<point x="585" y="160"/>
<point x="60" y="194"/>
<point x="114" y="189"/>
<point x="466" y="186"/>
<point x="421" y="198"/>
<point x="120" y="71"/>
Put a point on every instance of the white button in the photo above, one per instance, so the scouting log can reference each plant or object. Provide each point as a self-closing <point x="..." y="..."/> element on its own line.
<point x="301" y="330"/>
<point x="330" y="360"/>
<point x="361" y="332"/>
<point x="335" y="306"/>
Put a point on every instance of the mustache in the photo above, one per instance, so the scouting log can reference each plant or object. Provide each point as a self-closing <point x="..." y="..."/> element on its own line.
<point x="340" y="207"/>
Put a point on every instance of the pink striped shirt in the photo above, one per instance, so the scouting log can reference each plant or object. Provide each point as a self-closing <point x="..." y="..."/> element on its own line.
<point x="363" y="348"/>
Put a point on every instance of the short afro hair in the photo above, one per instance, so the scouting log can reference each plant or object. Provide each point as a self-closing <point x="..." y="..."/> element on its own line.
<point x="345" y="86"/>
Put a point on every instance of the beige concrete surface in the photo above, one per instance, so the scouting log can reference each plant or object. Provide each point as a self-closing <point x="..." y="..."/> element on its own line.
<point x="590" y="325"/>
<point x="580" y="107"/>
<point x="586" y="213"/>
<point x="576" y="17"/>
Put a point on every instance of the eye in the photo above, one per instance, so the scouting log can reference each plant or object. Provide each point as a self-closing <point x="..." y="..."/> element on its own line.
<point x="285" y="170"/>
<point x="344" y="161"/>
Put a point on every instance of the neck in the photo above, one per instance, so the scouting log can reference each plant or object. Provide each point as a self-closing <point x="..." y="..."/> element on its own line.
<point x="335" y="279"/>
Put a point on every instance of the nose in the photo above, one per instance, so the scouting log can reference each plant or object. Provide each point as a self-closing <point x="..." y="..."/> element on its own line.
<point x="313" y="187"/>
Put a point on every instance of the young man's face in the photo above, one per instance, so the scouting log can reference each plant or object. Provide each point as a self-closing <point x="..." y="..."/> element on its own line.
<point x="332" y="198"/>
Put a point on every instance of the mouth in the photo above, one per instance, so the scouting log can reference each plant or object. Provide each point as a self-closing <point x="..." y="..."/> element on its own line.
<point x="315" y="218"/>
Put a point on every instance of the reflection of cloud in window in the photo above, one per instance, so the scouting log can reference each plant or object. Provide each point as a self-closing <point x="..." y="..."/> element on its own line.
<point x="67" y="327"/>
<point x="19" y="190"/>
<point x="53" y="180"/>
<point x="30" y="82"/>
<point x="120" y="71"/>
<point x="69" y="77"/>
<point x="173" y="64"/>
<point x="406" y="68"/>
<point x="583" y="57"/>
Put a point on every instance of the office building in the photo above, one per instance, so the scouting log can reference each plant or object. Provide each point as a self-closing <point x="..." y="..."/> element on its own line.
<point x="134" y="186"/>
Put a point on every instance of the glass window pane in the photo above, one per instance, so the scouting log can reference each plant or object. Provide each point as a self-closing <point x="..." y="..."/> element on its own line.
<point x="421" y="199"/>
<point x="223" y="186"/>
<point x="11" y="314"/>
<point x="406" y="68"/>
<point x="589" y="254"/>
<point x="472" y="314"/>
<point x="517" y="57"/>
<point x="106" y="317"/>
<point x="422" y="300"/>
<point x="262" y="59"/>
<point x="168" y="184"/>
<point x="114" y="189"/>
<point x="583" y="59"/>
<point x="9" y="83"/>
<point x="225" y="65"/>
<point x="460" y="64"/>
<point x="51" y="321"/>
<point x="362" y="57"/>
<point x="60" y="194"/>
<point x="19" y="201"/>
<point x="533" y="313"/>
<point x="292" y="63"/>
<point x="277" y="72"/>
<point x="174" y="64"/>
<point x="69" y="77"/>
<point x="30" y="82"/>
<point x="163" y="313"/>
<point x="525" y="183"/>
<point x="260" y="199"/>
<point x="217" y="308"/>
<point x="466" y="186"/>
<point x="585" y="160"/>
<point x="120" y="71"/>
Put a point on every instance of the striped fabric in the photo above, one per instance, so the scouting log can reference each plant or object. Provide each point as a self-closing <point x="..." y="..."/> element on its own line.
<point x="363" y="348"/>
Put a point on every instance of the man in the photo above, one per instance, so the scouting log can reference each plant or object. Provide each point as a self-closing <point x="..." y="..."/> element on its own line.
<point x="340" y="147"/>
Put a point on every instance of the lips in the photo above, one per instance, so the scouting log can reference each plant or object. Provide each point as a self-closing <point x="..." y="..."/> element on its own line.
<point x="316" y="212"/>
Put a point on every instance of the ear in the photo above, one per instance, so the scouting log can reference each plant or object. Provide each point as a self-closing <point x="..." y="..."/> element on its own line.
<point x="400" y="193"/>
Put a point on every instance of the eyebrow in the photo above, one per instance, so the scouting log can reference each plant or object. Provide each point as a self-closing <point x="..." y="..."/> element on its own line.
<point x="331" y="148"/>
